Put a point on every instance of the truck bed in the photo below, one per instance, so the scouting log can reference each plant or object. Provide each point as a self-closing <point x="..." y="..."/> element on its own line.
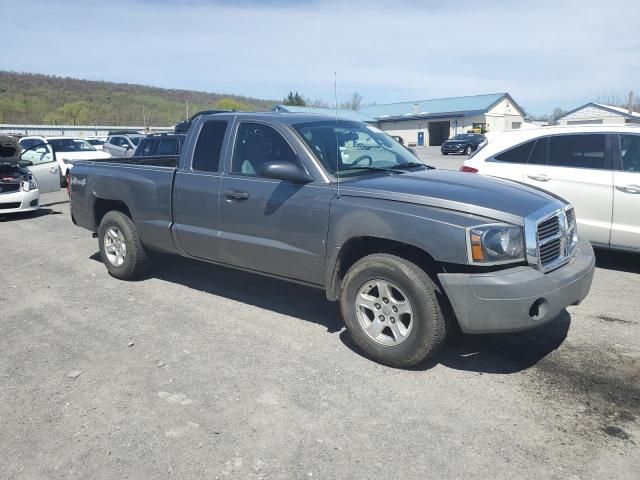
<point x="142" y="185"/>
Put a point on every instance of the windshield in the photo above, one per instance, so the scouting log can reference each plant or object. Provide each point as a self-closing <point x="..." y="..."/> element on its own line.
<point x="70" y="145"/>
<point x="94" y="141"/>
<point x="348" y="148"/>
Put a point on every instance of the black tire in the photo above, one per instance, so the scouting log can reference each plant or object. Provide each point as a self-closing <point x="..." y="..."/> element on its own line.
<point x="63" y="180"/>
<point x="136" y="259"/>
<point x="429" y="328"/>
<point x="468" y="151"/>
<point x="445" y="153"/>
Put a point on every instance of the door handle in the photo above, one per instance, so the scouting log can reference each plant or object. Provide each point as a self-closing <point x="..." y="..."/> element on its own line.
<point x="236" y="194"/>
<point x="541" y="177"/>
<point x="53" y="169"/>
<point x="629" y="188"/>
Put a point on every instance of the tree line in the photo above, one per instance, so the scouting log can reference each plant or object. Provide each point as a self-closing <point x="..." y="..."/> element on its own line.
<point x="36" y="99"/>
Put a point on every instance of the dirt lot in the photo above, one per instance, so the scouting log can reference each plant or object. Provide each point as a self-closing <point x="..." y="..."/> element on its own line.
<point x="202" y="372"/>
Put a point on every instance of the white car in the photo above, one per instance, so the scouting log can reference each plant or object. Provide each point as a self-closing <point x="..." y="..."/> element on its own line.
<point x="96" y="142"/>
<point x="23" y="177"/>
<point x="122" y="145"/>
<point x="66" y="150"/>
<point x="595" y="167"/>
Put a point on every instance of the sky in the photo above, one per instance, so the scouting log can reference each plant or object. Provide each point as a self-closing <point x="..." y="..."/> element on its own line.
<point x="546" y="54"/>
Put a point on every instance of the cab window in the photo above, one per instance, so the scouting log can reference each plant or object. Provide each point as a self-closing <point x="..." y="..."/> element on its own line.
<point x="257" y="144"/>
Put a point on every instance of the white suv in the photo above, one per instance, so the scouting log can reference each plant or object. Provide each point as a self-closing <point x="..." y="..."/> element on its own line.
<point x="595" y="167"/>
<point x="122" y="145"/>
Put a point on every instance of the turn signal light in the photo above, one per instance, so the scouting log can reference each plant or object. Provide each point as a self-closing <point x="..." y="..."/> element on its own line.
<point x="464" y="168"/>
<point x="477" y="253"/>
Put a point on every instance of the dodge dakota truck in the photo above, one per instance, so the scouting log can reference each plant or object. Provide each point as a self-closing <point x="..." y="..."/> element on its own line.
<point x="407" y="250"/>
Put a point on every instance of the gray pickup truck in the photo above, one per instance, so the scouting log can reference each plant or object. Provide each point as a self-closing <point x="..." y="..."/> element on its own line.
<point x="407" y="250"/>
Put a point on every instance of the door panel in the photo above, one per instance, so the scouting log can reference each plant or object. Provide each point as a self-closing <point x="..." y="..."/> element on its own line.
<point x="275" y="227"/>
<point x="579" y="170"/>
<point x="196" y="202"/>
<point x="45" y="169"/>
<point x="625" y="231"/>
<point x="196" y="213"/>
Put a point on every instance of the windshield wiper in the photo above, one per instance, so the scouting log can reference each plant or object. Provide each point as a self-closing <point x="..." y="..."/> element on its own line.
<point x="371" y="169"/>
<point x="412" y="164"/>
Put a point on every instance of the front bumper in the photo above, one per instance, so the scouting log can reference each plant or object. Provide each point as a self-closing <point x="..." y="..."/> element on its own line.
<point x="19" y="201"/>
<point x="453" y="149"/>
<point x="518" y="298"/>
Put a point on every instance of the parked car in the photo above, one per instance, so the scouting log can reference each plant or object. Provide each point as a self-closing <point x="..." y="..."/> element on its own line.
<point x="595" y="167"/>
<point x="122" y="145"/>
<point x="24" y="175"/>
<point x="96" y="142"/>
<point x="365" y="142"/>
<point x="66" y="150"/>
<point x="160" y="144"/>
<point x="463" y="143"/>
<point x="395" y="241"/>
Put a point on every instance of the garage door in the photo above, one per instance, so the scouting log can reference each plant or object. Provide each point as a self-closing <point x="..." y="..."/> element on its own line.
<point x="438" y="133"/>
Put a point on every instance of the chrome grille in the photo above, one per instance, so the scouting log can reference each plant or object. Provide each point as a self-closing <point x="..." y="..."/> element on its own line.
<point x="556" y="239"/>
<point x="549" y="228"/>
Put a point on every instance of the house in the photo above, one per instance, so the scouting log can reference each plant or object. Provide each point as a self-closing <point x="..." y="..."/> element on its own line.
<point x="431" y="122"/>
<point x="598" y="113"/>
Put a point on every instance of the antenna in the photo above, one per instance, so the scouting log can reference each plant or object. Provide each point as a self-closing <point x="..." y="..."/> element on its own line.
<point x="335" y="98"/>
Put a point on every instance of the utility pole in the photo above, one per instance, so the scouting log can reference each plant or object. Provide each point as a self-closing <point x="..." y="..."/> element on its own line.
<point x="187" y="109"/>
<point x="631" y="102"/>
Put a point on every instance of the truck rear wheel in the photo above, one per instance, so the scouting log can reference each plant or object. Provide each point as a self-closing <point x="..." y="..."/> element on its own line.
<point x="390" y="308"/>
<point x="120" y="246"/>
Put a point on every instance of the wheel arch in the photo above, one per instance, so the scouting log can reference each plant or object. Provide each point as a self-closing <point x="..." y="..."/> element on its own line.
<point x="359" y="247"/>
<point x="102" y="206"/>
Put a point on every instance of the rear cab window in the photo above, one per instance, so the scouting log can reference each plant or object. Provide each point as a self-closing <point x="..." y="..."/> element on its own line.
<point x="206" y="156"/>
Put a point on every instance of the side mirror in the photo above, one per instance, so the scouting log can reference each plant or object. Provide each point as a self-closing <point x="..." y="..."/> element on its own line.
<point x="25" y="163"/>
<point x="284" y="171"/>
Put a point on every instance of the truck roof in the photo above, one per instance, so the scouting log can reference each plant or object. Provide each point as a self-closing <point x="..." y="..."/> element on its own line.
<point x="287" y="118"/>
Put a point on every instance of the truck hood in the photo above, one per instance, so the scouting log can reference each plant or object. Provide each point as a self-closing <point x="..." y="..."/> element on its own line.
<point x="465" y="192"/>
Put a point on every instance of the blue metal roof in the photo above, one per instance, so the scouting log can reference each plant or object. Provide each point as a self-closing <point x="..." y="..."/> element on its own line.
<point x="344" y="114"/>
<point x="437" y="107"/>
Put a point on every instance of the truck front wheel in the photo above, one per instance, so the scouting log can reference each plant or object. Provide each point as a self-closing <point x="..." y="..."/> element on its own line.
<point x="391" y="310"/>
<point x="120" y="246"/>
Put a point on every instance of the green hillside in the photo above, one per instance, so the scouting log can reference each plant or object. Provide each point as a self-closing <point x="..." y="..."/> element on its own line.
<point x="45" y="99"/>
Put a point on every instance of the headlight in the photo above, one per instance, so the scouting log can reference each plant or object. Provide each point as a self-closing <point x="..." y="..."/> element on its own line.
<point x="495" y="243"/>
<point x="29" y="183"/>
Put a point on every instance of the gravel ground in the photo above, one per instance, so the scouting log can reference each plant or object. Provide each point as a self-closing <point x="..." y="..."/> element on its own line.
<point x="203" y="372"/>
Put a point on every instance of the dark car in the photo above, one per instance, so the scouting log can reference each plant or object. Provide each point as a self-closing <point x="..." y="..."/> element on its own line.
<point x="160" y="144"/>
<point x="463" y="143"/>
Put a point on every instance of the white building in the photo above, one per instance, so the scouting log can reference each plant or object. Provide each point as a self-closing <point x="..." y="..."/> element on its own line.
<point x="597" y="113"/>
<point x="431" y="122"/>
